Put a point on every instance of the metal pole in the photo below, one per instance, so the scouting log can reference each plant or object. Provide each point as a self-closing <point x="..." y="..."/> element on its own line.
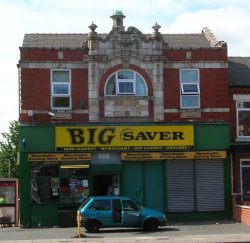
<point x="78" y="224"/>
<point x="9" y="167"/>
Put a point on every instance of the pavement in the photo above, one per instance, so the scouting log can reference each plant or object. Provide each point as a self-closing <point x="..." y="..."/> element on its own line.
<point x="226" y="231"/>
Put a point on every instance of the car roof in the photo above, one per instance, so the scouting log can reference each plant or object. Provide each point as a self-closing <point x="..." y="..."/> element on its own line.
<point x="109" y="197"/>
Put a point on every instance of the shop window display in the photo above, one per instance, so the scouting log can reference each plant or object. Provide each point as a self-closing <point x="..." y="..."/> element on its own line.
<point x="58" y="182"/>
<point x="245" y="180"/>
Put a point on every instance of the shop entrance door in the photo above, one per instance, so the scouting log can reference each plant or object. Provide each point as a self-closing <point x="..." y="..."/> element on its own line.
<point x="106" y="185"/>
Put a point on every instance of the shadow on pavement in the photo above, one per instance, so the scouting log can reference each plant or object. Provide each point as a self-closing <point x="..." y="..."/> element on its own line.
<point x="138" y="231"/>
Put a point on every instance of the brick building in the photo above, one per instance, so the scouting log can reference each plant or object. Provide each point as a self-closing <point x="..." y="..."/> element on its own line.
<point x="239" y="83"/>
<point x="147" y="115"/>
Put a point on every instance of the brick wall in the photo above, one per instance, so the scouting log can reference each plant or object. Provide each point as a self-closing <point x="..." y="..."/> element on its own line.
<point x="241" y="213"/>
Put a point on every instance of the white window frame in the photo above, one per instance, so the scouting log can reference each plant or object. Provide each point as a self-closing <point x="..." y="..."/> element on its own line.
<point x="238" y="109"/>
<point x="184" y="93"/>
<point x="125" y="81"/>
<point x="66" y="95"/>
<point x="119" y="81"/>
<point x="183" y="90"/>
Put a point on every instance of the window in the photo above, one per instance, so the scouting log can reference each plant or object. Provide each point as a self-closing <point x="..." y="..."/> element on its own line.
<point x="59" y="182"/>
<point x="129" y="206"/>
<point x="100" y="205"/>
<point x="74" y="182"/>
<point x="190" y="88"/>
<point x="126" y="82"/>
<point x="245" y="180"/>
<point x="60" y="89"/>
<point x="41" y="186"/>
<point x="243" y="119"/>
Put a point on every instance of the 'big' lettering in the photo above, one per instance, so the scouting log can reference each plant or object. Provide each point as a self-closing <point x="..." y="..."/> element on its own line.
<point x="76" y="135"/>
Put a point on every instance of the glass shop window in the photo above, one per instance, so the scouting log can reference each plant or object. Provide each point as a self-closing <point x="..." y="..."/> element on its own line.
<point x="245" y="180"/>
<point x="58" y="182"/>
<point x="74" y="183"/>
<point x="42" y="189"/>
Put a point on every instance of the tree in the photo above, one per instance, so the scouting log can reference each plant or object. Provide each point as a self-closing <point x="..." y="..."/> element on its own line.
<point x="9" y="166"/>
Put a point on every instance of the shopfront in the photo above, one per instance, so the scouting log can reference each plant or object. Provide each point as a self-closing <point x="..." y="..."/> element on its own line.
<point x="183" y="170"/>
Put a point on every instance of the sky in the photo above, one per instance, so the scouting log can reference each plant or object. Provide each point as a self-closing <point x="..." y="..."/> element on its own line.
<point x="229" y="20"/>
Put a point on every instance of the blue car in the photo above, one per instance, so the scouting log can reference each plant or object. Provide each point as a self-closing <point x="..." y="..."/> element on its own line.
<point x="117" y="211"/>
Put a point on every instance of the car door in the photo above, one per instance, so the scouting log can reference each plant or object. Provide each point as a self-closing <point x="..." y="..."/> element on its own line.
<point x="101" y="210"/>
<point x="131" y="214"/>
<point x="117" y="212"/>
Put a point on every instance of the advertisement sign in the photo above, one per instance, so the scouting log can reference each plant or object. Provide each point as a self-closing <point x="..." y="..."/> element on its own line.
<point x="40" y="157"/>
<point x="174" y="155"/>
<point x="122" y="138"/>
<point x="7" y="202"/>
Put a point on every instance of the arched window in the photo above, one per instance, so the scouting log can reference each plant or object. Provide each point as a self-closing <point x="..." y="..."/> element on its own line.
<point x="126" y="82"/>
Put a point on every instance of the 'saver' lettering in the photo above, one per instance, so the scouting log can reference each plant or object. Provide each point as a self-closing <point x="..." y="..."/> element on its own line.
<point x="128" y="136"/>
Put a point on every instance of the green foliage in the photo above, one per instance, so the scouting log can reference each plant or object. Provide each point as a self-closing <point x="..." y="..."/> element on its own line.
<point x="9" y="151"/>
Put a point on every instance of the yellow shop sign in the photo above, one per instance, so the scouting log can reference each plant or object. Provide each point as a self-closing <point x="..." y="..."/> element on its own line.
<point x="40" y="157"/>
<point x="173" y="155"/>
<point x="123" y="138"/>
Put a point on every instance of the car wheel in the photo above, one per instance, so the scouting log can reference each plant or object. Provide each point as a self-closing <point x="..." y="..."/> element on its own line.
<point x="151" y="225"/>
<point x="92" y="226"/>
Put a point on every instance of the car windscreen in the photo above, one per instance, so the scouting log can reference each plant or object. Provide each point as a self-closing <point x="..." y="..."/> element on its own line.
<point x="85" y="202"/>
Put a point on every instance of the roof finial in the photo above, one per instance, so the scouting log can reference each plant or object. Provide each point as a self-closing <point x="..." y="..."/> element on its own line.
<point x="118" y="20"/>
<point x="156" y="27"/>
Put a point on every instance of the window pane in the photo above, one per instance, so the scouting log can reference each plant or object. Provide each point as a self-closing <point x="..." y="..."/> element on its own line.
<point x="7" y="215"/>
<point x="60" y="102"/>
<point x="60" y="89"/>
<point x="60" y="76"/>
<point x="189" y="76"/>
<point x="74" y="172"/>
<point x="126" y="88"/>
<point x="101" y="205"/>
<point x="111" y="87"/>
<point x="7" y="191"/>
<point x="190" y="101"/>
<point x="246" y="183"/>
<point x="140" y="86"/>
<point x="41" y="190"/>
<point x="74" y="190"/>
<point x="190" y="88"/>
<point x="125" y="75"/>
<point x="44" y="169"/>
<point x="126" y="82"/>
<point x="244" y="122"/>
<point x="129" y="206"/>
<point x="243" y="104"/>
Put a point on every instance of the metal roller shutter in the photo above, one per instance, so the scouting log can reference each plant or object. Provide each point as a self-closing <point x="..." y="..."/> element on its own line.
<point x="210" y="185"/>
<point x="180" y="185"/>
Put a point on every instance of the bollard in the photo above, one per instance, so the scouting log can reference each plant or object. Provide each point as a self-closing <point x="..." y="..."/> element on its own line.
<point x="78" y="224"/>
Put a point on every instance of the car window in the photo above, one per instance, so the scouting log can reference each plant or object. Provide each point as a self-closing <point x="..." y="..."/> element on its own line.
<point x="85" y="202"/>
<point x="129" y="206"/>
<point x="100" y="205"/>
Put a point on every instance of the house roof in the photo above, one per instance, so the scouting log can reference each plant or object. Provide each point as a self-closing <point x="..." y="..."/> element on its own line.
<point x="54" y="40"/>
<point x="79" y="40"/>
<point x="239" y="71"/>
